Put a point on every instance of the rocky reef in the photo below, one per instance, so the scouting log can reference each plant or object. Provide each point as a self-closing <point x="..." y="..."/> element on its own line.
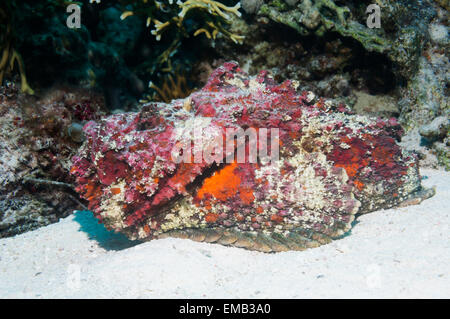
<point x="38" y="137"/>
<point x="119" y="46"/>
<point x="149" y="175"/>
<point x="401" y="38"/>
<point x="399" y="69"/>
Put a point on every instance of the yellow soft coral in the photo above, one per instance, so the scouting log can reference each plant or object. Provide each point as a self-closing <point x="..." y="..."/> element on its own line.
<point x="170" y="89"/>
<point x="213" y="16"/>
<point x="10" y="56"/>
<point x="214" y="8"/>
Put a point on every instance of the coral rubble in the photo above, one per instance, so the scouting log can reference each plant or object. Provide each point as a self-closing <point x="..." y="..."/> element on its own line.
<point x="332" y="165"/>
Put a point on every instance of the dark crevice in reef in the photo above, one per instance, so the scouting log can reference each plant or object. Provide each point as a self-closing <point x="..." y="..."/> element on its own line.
<point x="377" y="71"/>
<point x="371" y="70"/>
<point x="332" y="66"/>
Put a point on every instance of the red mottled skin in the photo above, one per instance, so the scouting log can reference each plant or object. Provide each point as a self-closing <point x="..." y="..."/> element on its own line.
<point x="333" y="164"/>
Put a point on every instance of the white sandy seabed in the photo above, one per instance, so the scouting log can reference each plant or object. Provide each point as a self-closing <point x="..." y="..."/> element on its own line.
<point x="395" y="253"/>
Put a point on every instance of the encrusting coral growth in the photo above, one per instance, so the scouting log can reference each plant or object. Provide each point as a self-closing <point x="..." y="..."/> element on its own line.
<point x="400" y="38"/>
<point x="332" y="165"/>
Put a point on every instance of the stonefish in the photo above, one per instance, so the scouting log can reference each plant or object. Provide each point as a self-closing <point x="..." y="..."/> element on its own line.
<point x="332" y="165"/>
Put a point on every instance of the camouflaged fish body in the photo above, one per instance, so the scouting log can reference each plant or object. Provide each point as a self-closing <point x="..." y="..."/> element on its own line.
<point x="332" y="166"/>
